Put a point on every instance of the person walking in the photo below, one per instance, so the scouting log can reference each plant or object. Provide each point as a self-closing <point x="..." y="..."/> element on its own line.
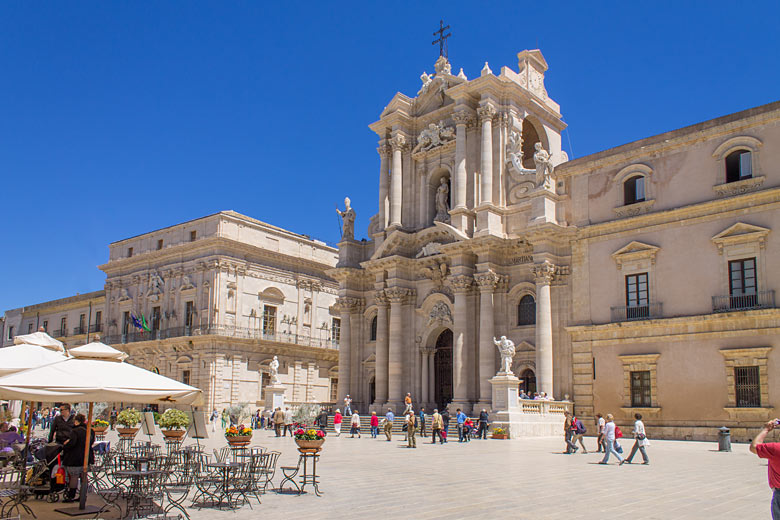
<point x="570" y="448"/>
<point x="410" y="429"/>
<point x="578" y="430"/>
<point x="461" y="418"/>
<point x="348" y="405"/>
<point x="73" y="454"/>
<point x="437" y="423"/>
<point x="374" y="425"/>
<point x="389" y="418"/>
<point x="483" y="424"/>
<point x="421" y="422"/>
<point x="445" y="419"/>
<point x="225" y="418"/>
<point x="355" y="425"/>
<point x="640" y="441"/>
<point x="322" y="419"/>
<point x="609" y="440"/>
<point x="278" y="421"/>
<point x="112" y="418"/>
<point x="337" y="418"/>
<point x="771" y="452"/>
<point x="601" y="423"/>
<point x="288" y="422"/>
<point x="408" y="403"/>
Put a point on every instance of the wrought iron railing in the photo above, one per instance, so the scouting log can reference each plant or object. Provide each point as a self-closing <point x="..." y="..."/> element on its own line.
<point x="221" y="330"/>
<point x="637" y="312"/>
<point x="79" y="330"/>
<point x="97" y="327"/>
<point x="61" y="333"/>
<point x="759" y="300"/>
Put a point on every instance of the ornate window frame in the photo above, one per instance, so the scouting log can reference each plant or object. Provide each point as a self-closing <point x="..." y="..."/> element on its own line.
<point x="739" y="241"/>
<point x="634" y="258"/>
<point x="514" y="296"/>
<point x="749" y="356"/>
<point x="637" y="363"/>
<point x="637" y="208"/>
<point x="740" y="142"/>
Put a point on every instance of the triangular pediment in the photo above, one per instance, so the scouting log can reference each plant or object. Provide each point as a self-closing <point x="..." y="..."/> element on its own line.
<point x="635" y="250"/>
<point x="740" y="233"/>
<point x="399" y="102"/>
<point x="524" y="346"/>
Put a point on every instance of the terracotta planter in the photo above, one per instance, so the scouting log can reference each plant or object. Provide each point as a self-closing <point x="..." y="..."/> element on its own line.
<point x="239" y="440"/>
<point x="499" y="436"/>
<point x="309" y="445"/>
<point x="99" y="429"/>
<point x="174" y="434"/>
<point x="127" y="432"/>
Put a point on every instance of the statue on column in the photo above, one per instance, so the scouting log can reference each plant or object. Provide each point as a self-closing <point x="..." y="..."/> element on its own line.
<point x="544" y="167"/>
<point x="273" y="368"/>
<point x="349" y="220"/>
<point x="442" y="202"/>
<point x="507" y="350"/>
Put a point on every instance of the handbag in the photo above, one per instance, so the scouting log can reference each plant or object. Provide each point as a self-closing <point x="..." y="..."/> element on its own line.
<point x="59" y="477"/>
<point x="641" y="436"/>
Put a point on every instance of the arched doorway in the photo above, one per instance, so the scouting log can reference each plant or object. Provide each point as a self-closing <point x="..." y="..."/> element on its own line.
<point x="529" y="381"/>
<point x="442" y="362"/>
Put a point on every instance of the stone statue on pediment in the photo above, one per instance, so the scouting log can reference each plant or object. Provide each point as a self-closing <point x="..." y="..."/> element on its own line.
<point x="348" y="215"/>
<point x="506" y="348"/>
<point x="123" y="296"/>
<point x="426" y="82"/>
<point x="544" y="167"/>
<point x="442" y="202"/>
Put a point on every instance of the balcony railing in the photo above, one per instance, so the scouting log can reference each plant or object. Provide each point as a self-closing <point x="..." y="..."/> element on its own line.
<point x="221" y="330"/>
<point x="97" y="327"/>
<point x="61" y="333"/>
<point x="743" y="302"/>
<point x="79" y="330"/>
<point x="637" y="312"/>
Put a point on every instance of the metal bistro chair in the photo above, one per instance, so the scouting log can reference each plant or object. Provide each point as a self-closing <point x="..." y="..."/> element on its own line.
<point x="268" y="470"/>
<point x="247" y="482"/>
<point x="105" y="485"/>
<point x="223" y="454"/>
<point x="13" y="492"/>
<point x="178" y="485"/>
<point x="206" y="481"/>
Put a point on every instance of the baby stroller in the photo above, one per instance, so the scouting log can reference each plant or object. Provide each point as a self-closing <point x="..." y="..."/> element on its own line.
<point x="42" y="480"/>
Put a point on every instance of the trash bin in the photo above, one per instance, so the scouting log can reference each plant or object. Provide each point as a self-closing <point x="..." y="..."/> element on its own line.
<point x="724" y="439"/>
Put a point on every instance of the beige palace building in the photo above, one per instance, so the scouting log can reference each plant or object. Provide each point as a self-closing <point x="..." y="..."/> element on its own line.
<point x="638" y="279"/>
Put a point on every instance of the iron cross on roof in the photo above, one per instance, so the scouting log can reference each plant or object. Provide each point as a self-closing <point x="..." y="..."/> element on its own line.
<point x="442" y="40"/>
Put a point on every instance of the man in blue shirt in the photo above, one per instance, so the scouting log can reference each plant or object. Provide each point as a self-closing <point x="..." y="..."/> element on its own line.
<point x="389" y="418"/>
<point x="461" y="418"/>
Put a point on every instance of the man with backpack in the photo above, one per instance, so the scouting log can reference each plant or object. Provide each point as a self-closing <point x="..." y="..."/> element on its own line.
<point x="578" y="430"/>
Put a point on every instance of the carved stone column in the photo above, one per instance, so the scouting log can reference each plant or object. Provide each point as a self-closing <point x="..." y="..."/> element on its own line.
<point x="426" y="354"/>
<point x="398" y="142"/>
<point x="384" y="182"/>
<point x="486" y="113"/>
<point x="487" y="282"/>
<point x="459" y="186"/>
<point x="345" y="306"/>
<point x="382" y="354"/>
<point x="544" y="273"/>
<point x="397" y="296"/>
<point x="462" y="286"/>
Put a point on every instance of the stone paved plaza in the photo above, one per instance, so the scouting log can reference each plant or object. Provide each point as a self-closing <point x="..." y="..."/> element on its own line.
<point x="527" y="479"/>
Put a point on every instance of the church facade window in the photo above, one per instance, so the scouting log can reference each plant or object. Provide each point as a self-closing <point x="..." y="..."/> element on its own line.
<point x="372" y="336"/>
<point x="739" y="165"/>
<point x="634" y="190"/>
<point x="526" y="311"/>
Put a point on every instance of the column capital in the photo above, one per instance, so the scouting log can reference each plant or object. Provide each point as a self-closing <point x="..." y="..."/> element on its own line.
<point x="399" y="294"/>
<point x="348" y="305"/>
<point x="427" y="349"/>
<point x="381" y="299"/>
<point x="384" y="149"/>
<point x="544" y="272"/>
<point x="461" y="283"/>
<point x="487" y="281"/>
<point x="399" y="142"/>
<point x="461" y="117"/>
<point x="486" y="112"/>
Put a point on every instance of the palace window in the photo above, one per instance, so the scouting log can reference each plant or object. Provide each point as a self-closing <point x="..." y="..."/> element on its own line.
<point x="739" y="165"/>
<point x="129" y="252"/>
<point x="742" y="283"/>
<point x="64" y="326"/>
<point x="82" y="321"/>
<point x="45" y="325"/>
<point x="640" y="389"/>
<point x="265" y="380"/>
<point x="11" y="332"/>
<point x="189" y="310"/>
<point x="125" y="322"/>
<point x="637" y="296"/>
<point x="185" y="377"/>
<point x="193" y="236"/>
<point x="269" y="320"/>
<point x="335" y="330"/>
<point x="156" y="318"/>
<point x="526" y="311"/>
<point x="29" y="328"/>
<point x="334" y="388"/>
<point x="373" y="329"/>
<point x="747" y="386"/>
<point x="98" y="321"/>
<point x="634" y="190"/>
<point x="159" y="244"/>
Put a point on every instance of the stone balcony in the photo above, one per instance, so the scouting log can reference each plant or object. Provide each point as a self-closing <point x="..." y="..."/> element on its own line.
<point x="637" y="312"/>
<point x="744" y="302"/>
<point x="221" y="330"/>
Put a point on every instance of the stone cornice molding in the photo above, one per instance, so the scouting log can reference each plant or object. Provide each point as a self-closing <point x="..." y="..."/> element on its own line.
<point x="635" y="251"/>
<point x="741" y="233"/>
<point x="487" y="281"/>
<point x="544" y="272"/>
<point x="461" y="284"/>
<point x="349" y="305"/>
<point x="400" y="295"/>
<point x="739" y="142"/>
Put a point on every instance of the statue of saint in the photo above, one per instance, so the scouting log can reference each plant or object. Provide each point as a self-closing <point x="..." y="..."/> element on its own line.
<point x="273" y="368"/>
<point x="349" y="220"/>
<point x="442" y="202"/>
<point x="507" y="350"/>
<point x="544" y="167"/>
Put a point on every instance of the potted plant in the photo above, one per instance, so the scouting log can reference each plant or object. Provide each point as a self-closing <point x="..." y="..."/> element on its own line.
<point x="173" y="423"/>
<point x="499" y="433"/>
<point x="238" y="435"/>
<point x="309" y="439"/>
<point x="99" y="426"/>
<point x="130" y="418"/>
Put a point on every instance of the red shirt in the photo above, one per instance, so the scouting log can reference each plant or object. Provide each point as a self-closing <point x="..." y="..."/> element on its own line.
<point x="374" y="420"/>
<point x="337" y="418"/>
<point x="771" y="452"/>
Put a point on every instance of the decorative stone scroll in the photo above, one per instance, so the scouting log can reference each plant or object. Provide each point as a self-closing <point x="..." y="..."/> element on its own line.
<point x="440" y="313"/>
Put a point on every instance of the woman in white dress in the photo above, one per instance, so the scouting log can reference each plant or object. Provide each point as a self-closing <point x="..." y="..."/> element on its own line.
<point x="355" y="424"/>
<point x="640" y="440"/>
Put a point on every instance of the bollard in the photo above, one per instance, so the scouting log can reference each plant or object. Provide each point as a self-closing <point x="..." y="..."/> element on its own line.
<point x="724" y="439"/>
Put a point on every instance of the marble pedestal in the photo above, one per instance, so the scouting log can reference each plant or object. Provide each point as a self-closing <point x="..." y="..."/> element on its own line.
<point x="543" y="207"/>
<point x="274" y="397"/>
<point x="540" y="419"/>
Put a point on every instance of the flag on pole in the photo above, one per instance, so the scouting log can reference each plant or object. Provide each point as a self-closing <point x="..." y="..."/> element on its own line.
<point x="144" y="324"/>
<point x="136" y="322"/>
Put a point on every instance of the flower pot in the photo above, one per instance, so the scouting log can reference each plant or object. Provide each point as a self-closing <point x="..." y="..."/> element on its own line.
<point x="239" y="440"/>
<point x="309" y="445"/>
<point x="499" y="436"/>
<point x="173" y="434"/>
<point x="127" y="432"/>
<point x="99" y="430"/>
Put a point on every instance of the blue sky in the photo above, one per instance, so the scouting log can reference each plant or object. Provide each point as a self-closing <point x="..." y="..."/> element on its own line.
<point x="117" y="118"/>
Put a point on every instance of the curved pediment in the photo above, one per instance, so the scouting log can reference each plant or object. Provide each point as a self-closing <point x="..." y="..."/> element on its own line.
<point x="420" y="244"/>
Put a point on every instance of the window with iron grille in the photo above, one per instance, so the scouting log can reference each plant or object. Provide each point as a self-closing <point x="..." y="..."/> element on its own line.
<point x="526" y="311"/>
<point x="335" y="330"/>
<point x="748" y="387"/>
<point x="265" y="381"/>
<point x="269" y="319"/>
<point x="125" y="322"/>
<point x="640" y="389"/>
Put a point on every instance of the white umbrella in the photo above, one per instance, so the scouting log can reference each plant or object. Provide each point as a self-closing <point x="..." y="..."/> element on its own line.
<point x="41" y="339"/>
<point x="25" y="356"/>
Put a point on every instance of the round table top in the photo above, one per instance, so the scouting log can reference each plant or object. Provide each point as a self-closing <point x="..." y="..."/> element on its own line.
<point x="134" y="473"/>
<point x="223" y="464"/>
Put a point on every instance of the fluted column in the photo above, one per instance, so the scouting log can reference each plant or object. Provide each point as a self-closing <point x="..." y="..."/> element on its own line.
<point x="486" y="113"/>
<point x="398" y="142"/>
<point x="425" y="355"/>
<point x="345" y="305"/>
<point x="461" y="285"/>
<point x="459" y="189"/>
<point x="544" y="272"/>
<point x="487" y="282"/>
<point x="384" y="182"/>
<point x="381" y="348"/>
<point x="397" y="296"/>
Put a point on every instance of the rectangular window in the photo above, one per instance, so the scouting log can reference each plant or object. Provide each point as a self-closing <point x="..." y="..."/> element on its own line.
<point x="265" y="381"/>
<point x="129" y="252"/>
<point x="748" y="387"/>
<point x="45" y="325"/>
<point x="334" y="388"/>
<point x="742" y="283"/>
<point x="185" y="377"/>
<point x="98" y="321"/>
<point x="11" y="332"/>
<point x="126" y="322"/>
<point x="335" y="330"/>
<point x="637" y="296"/>
<point x="745" y="165"/>
<point x="269" y="320"/>
<point x="159" y="244"/>
<point x="189" y="310"/>
<point x="64" y="326"/>
<point x="29" y="328"/>
<point x="156" y="318"/>
<point x="82" y="321"/>
<point x="193" y="236"/>
<point x="640" y="389"/>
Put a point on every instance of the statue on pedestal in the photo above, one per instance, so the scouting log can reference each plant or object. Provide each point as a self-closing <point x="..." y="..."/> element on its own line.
<point x="273" y="368"/>
<point x="442" y="202"/>
<point x="507" y="350"/>
<point x="348" y="215"/>
<point x="544" y="167"/>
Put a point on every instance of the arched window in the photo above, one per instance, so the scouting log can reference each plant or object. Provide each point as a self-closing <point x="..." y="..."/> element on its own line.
<point x="373" y="329"/>
<point x="634" y="190"/>
<point x="526" y="311"/>
<point x="739" y="165"/>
